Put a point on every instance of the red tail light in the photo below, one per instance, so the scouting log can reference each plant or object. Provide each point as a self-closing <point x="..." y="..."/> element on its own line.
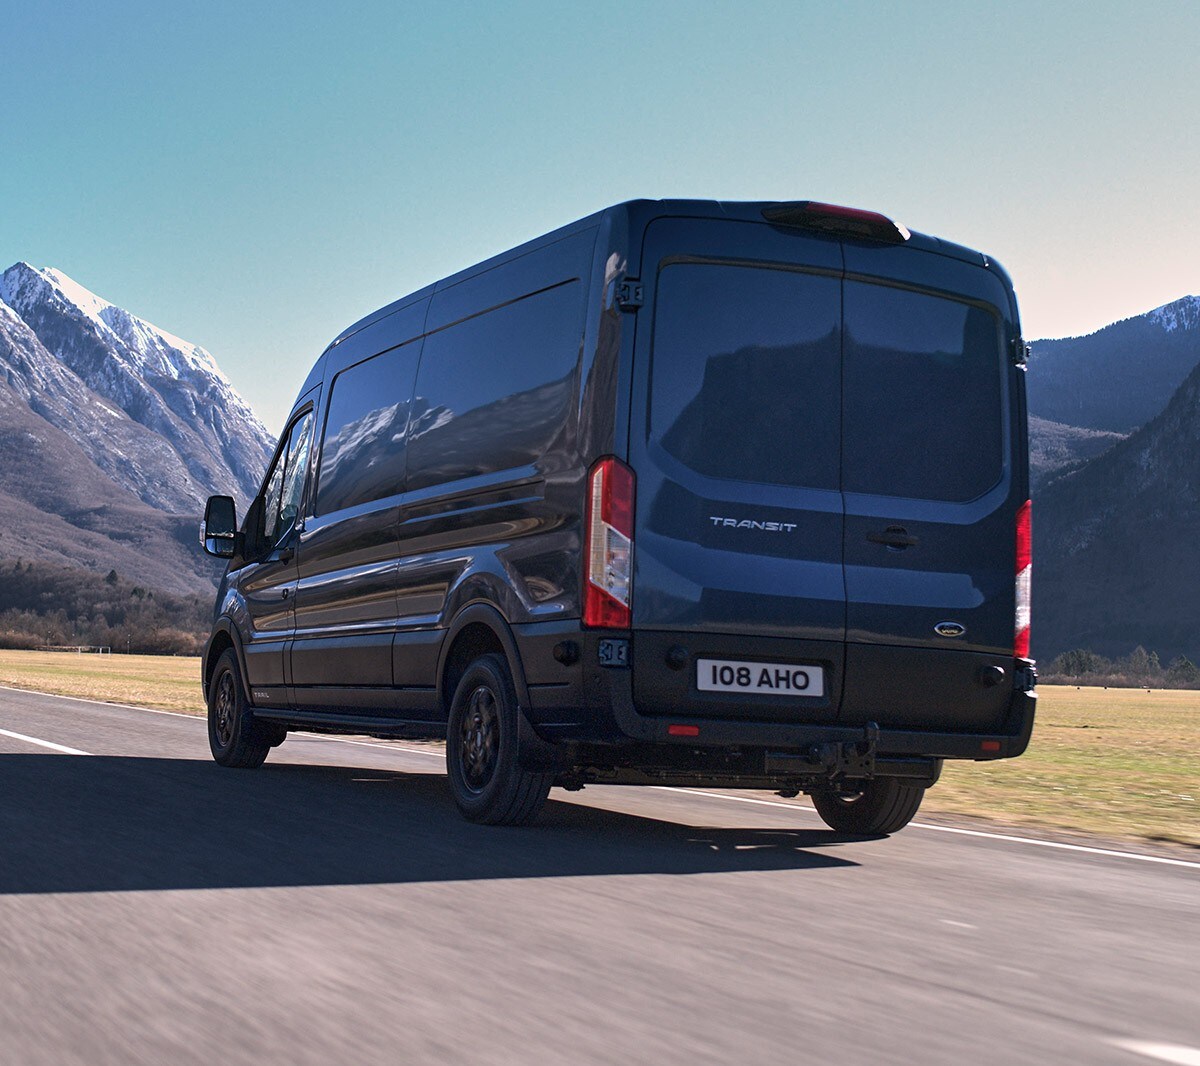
<point x="1024" y="575"/>
<point x="608" y="548"/>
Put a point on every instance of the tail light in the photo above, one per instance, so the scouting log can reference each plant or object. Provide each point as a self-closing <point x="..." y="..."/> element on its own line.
<point x="608" y="583"/>
<point x="1024" y="573"/>
<point x="833" y="218"/>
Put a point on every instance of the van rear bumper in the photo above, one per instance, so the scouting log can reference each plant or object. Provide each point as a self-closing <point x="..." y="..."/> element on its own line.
<point x="680" y="730"/>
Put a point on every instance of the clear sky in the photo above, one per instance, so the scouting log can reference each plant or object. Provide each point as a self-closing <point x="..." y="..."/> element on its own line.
<point x="254" y="177"/>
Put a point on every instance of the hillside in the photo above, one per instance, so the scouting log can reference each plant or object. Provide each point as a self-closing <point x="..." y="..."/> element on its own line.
<point x="1115" y="543"/>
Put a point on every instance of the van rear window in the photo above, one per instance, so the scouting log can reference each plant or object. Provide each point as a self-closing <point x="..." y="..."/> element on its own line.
<point x="923" y="395"/>
<point x="746" y="373"/>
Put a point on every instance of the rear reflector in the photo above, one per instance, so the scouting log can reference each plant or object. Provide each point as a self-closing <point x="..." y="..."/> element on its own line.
<point x="990" y="745"/>
<point x="1024" y="579"/>
<point x="683" y="730"/>
<point x="608" y="583"/>
<point x="833" y="218"/>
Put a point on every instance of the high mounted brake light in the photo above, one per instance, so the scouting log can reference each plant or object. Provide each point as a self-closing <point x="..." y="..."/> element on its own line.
<point x="1024" y="576"/>
<point x="608" y="547"/>
<point x="833" y="218"/>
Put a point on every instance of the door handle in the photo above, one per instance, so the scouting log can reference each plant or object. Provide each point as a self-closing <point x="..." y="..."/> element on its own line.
<point x="893" y="537"/>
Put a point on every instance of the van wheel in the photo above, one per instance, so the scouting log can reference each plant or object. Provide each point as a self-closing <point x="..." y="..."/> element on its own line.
<point x="883" y="805"/>
<point x="232" y="734"/>
<point x="486" y="778"/>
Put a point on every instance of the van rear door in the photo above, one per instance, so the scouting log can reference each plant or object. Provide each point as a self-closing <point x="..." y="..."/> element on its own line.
<point x="739" y="598"/>
<point x="932" y="483"/>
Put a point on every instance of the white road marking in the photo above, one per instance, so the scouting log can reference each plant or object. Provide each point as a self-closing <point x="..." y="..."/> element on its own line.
<point x="1008" y="838"/>
<point x="958" y="925"/>
<point x="1179" y="1054"/>
<point x="388" y="745"/>
<point x="44" y="743"/>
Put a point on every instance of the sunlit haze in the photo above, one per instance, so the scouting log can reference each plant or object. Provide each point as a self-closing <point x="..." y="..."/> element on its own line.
<point x="254" y="180"/>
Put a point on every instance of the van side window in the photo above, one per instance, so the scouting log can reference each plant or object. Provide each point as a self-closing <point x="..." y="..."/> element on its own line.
<point x="285" y="483"/>
<point x="297" y="467"/>
<point x="362" y="456"/>
<point x="493" y="391"/>
<point x="746" y="373"/>
<point x="923" y="404"/>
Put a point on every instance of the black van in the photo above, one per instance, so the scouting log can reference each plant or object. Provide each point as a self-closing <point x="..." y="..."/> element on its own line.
<point x="687" y="492"/>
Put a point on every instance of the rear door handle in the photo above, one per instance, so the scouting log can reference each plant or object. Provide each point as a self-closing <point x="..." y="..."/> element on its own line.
<point x="894" y="537"/>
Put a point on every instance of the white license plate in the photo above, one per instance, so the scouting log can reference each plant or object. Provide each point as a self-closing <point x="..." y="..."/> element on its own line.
<point x="764" y="679"/>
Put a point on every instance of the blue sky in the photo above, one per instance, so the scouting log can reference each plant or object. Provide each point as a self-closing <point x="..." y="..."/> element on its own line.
<point x="255" y="177"/>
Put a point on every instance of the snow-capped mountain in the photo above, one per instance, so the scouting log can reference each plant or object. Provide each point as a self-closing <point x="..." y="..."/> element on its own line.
<point x="112" y="434"/>
<point x="153" y="411"/>
<point x="1119" y="377"/>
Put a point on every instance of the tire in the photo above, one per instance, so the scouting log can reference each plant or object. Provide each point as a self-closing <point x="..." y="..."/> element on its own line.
<point x="486" y="779"/>
<point x="885" y="805"/>
<point x="232" y="735"/>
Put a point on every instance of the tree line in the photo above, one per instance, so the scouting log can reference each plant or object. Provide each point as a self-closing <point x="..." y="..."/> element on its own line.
<point x="1139" y="669"/>
<point x="41" y="604"/>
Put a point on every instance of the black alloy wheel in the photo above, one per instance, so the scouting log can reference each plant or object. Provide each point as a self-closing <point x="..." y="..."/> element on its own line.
<point x="482" y="758"/>
<point x="233" y="736"/>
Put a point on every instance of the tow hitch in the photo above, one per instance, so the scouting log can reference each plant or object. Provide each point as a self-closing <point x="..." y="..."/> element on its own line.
<point x="852" y="758"/>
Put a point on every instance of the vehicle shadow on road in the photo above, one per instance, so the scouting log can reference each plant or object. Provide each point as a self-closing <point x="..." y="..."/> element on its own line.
<point x="99" y="823"/>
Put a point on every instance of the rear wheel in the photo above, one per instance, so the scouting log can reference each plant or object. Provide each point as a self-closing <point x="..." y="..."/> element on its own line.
<point x="882" y="805"/>
<point x="234" y="738"/>
<point x="486" y="777"/>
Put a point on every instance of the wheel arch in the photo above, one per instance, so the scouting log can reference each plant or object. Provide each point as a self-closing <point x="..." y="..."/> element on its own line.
<point x="478" y="629"/>
<point x="224" y="636"/>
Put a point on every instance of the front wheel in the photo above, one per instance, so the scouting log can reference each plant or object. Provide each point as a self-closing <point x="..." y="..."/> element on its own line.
<point x="234" y="738"/>
<point x="882" y="805"/>
<point x="486" y="777"/>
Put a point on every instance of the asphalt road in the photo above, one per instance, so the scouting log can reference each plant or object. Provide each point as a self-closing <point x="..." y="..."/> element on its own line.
<point x="332" y="907"/>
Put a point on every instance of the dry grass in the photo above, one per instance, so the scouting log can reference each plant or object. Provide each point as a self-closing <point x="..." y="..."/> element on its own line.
<point x="169" y="682"/>
<point x="1113" y="762"/>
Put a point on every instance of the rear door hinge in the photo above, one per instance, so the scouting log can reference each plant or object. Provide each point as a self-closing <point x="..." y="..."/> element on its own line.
<point x="1021" y="349"/>
<point x="629" y="294"/>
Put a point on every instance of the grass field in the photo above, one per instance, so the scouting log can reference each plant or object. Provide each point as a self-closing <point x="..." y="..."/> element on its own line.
<point x="1115" y="762"/>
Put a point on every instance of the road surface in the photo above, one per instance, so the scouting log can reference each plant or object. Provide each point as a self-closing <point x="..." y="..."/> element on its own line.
<point x="332" y="907"/>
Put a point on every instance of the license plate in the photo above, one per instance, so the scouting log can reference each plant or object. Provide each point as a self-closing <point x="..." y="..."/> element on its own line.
<point x="764" y="679"/>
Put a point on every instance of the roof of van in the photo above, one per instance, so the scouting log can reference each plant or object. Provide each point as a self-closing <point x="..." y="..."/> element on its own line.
<point x="641" y="211"/>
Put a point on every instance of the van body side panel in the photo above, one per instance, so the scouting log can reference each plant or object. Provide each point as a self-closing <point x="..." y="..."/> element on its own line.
<point x="492" y="511"/>
<point x="346" y="599"/>
<point x="735" y="442"/>
<point x="932" y="485"/>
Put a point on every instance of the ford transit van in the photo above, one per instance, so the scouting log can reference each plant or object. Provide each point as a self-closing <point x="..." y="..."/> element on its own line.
<point x="685" y="493"/>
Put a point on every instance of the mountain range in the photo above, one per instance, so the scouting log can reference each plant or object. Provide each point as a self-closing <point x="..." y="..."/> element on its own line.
<point x="114" y="431"/>
<point x="112" y="434"/>
<point x="1117" y="487"/>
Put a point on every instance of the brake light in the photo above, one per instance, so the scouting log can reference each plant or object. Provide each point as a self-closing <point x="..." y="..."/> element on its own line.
<point x="608" y="550"/>
<point x="1024" y="574"/>
<point x="834" y="218"/>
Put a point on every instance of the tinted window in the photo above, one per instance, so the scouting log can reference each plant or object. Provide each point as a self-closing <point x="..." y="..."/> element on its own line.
<point x="297" y="467"/>
<point x="746" y="375"/>
<point x="923" y="401"/>
<point x="285" y="483"/>
<point x="494" y="391"/>
<point x="362" y="456"/>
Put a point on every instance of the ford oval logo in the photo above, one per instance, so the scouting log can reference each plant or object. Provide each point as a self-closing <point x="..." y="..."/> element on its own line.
<point x="949" y="629"/>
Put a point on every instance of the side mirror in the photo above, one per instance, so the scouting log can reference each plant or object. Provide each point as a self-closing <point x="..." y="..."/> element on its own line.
<point x="218" y="531"/>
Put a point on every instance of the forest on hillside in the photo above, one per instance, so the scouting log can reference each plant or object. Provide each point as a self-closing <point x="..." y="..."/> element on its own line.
<point x="43" y="605"/>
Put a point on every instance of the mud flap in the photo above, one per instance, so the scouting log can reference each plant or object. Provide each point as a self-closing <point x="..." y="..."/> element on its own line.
<point x="533" y="753"/>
